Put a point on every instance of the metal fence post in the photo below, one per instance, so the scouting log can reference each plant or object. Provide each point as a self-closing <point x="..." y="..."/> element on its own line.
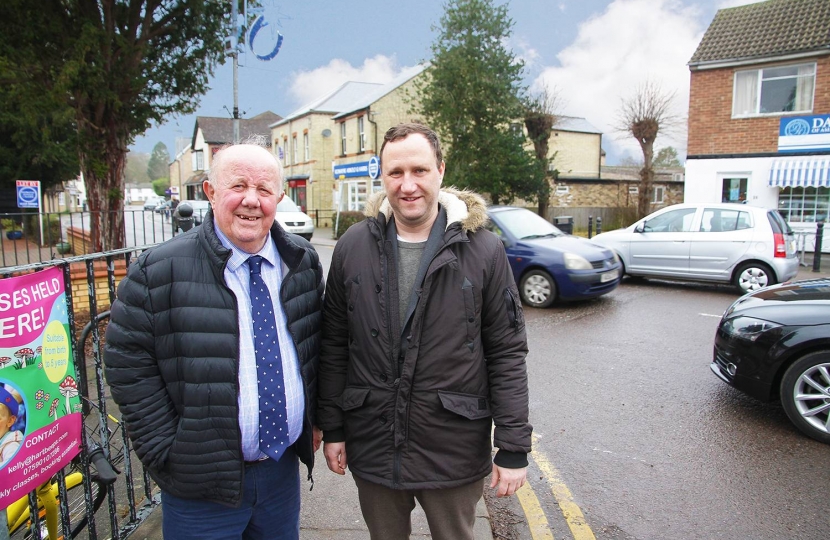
<point x="817" y="250"/>
<point x="599" y="224"/>
<point x="590" y="226"/>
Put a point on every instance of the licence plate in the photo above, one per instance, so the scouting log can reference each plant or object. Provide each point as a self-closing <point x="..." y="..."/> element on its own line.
<point x="608" y="276"/>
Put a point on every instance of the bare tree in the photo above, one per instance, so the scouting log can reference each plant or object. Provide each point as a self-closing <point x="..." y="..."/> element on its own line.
<point x="646" y="114"/>
<point x="541" y="114"/>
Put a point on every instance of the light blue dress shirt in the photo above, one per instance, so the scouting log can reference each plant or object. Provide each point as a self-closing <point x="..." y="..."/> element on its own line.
<point x="237" y="277"/>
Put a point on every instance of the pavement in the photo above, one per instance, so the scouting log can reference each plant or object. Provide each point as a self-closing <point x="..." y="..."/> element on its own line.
<point x="331" y="510"/>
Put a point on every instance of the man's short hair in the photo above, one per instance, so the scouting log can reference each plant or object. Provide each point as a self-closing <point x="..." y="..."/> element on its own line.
<point x="254" y="140"/>
<point x="402" y="131"/>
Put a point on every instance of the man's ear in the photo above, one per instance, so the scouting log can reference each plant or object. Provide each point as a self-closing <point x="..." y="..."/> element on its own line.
<point x="441" y="173"/>
<point x="209" y="191"/>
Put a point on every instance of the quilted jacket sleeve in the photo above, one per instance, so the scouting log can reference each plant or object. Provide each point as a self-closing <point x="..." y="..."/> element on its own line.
<point x="132" y="371"/>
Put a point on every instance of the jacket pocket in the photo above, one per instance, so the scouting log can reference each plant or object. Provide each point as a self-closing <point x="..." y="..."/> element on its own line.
<point x="352" y="398"/>
<point x="469" y="406"/>
<point x="515" y="315"/>
<point x="469" y="313"/>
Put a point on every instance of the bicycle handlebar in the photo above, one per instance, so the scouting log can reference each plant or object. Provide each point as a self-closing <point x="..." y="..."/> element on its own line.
<point x="105" y="472"/>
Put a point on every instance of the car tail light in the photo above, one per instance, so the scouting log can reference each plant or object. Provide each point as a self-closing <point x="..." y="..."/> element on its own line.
<point x="780" y="245"/>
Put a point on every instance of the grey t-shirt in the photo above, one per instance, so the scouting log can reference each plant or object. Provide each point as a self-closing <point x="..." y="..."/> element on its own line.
<point x="409" y="260"/>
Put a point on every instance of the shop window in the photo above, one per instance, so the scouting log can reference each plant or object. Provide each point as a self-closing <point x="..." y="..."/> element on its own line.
<point x="804" y="204"/>
<point x="774" y="90"/>
<point x="734" y="190"/>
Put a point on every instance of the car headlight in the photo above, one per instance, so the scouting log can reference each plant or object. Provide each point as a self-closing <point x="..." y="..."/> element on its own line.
<point x="576" y="262"/>
<point x="748" y="327"/>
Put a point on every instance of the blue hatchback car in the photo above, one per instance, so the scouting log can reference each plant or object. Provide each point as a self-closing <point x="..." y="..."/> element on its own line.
<point x="549" y="265"/>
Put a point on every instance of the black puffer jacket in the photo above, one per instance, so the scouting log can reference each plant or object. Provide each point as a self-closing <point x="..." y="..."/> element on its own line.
<point x="172" y="358"/>
<point x="416" y="413"/>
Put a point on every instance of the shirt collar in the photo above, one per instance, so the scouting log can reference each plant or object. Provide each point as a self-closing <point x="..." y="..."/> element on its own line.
<point x="239" y="257"/>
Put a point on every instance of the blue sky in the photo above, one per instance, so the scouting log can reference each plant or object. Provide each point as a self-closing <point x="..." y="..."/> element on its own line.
<point x="590" y="53"/>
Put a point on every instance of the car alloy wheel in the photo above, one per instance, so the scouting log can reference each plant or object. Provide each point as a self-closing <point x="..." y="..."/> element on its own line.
<point x="753" y="276"/>
<point x="805" y="395"/>
<point x="538" y="289"/>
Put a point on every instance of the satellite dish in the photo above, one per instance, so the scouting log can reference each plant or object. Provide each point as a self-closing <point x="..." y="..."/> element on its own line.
<point x="326" y="133"/>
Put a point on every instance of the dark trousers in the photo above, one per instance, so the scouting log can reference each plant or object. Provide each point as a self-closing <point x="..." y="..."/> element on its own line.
<point x="270" y="507"/>
<point x="451" y="512"/>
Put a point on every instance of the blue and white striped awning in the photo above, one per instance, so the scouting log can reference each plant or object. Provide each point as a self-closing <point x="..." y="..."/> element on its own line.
<point x="800" y="172"/>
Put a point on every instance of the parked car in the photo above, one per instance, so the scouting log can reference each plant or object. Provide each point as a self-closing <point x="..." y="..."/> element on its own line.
<point x="748" y="246"/>
<point x="199" y="208"/>
<point x="775" y="344"/>
<point x="166" y="205"/>
<point x="152" y="202"/>
<point x="294" y="220"/>
<point x="549" y="265"/>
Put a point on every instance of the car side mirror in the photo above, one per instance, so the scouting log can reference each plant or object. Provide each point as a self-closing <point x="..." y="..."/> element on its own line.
<point x="641" y="227"/>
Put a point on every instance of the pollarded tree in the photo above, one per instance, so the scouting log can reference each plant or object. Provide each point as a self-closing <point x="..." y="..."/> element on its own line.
<point x="158" y="166"/>
<point x="644" y="115"/>
<point x="471" y="97"/>
<point x="540" y="116"/>
<point x="118" y="65"/>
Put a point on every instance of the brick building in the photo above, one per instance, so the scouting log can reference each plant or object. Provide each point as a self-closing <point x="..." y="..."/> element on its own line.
<point x="759" y="110"/>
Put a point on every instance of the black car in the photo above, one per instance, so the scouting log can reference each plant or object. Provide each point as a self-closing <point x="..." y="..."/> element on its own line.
<point x="774" y="343"/>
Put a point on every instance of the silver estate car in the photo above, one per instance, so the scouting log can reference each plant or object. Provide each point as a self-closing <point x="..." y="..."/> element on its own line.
<point x="748" y="246"/>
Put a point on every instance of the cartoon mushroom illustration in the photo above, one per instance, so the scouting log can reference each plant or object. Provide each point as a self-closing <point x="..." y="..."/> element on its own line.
<point x="69" y="389"/>
<point x="24" y="355"/>
<point x="53" y="409"/>
<point x="4" y="360"/>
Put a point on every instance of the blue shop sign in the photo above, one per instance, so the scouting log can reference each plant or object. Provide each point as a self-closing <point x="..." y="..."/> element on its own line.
<point x="804" y="133"/>
<point x="351" y="170"/>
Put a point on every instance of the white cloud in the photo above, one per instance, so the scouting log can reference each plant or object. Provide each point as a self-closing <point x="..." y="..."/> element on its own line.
<point x="310" y="85"/>
<point x="615" y="52"/>
<point x="523" y="51"/>
<point x="736" y="3"/>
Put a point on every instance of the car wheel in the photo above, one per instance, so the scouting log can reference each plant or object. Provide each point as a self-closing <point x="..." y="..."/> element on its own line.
<point x="753" y="276"/>
<point x="538" y="289"/>
<point x="805" y="395"/>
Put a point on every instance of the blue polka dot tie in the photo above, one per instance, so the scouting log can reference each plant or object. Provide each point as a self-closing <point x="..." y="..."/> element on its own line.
<point x="273" y="419"/>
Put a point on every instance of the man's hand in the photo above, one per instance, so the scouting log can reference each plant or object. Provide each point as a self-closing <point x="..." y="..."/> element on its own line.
<point x="317" y="438"/>
<point x="336" y="456"/>
<point x="508" y="480"/>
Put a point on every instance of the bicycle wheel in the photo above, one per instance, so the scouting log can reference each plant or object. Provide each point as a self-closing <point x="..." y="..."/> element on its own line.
<point x="77" y="507"/>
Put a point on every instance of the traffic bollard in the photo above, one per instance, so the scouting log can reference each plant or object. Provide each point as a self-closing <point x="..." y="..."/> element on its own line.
<point x="590" y="226"/>
<point x="817" y="251"/>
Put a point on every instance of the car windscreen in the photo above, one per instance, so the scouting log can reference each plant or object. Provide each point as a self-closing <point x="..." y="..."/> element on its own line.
<point x="525" y="225"/>
<point x="778" y="223"/>
<point x="287" y="205"/>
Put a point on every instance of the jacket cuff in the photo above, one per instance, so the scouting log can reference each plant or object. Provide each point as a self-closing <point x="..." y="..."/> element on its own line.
<point x="334" y="435"/>
<point x="510" y="460"/>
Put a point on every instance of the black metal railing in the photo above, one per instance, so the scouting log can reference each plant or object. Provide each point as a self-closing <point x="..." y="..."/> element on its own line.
<point x="128" y="501"/>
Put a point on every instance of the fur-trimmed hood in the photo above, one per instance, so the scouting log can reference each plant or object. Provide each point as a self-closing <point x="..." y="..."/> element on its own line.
<point x="462" y="206"/>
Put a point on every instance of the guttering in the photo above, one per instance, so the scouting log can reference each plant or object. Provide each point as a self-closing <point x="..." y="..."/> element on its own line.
<point x="735" y="62"/>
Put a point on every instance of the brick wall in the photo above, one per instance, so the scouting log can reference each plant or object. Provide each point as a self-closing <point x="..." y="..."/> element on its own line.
<point x="711" y="127"/>
<point x="611" y="195"/>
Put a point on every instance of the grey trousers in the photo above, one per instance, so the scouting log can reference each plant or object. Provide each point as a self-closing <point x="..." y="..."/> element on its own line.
<point x="451" y="512"/>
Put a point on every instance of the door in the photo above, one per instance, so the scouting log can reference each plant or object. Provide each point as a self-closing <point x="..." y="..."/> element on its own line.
<point x="722" y="239"/>
<point x="662" y="248"/>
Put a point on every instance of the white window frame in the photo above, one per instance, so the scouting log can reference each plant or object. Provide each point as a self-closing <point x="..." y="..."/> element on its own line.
<point x="361" y="134"/>
<point x="306" y="148"/>
<point x="562" y="189"/>
<point x="633" y="190"/>
<point x="757" y="87"/>
<point x="198" y="160"/>
<point x="343" y="138"/>
<point x="654" y="191"/>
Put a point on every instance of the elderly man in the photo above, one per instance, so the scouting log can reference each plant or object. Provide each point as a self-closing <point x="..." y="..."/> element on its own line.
<point x="423" y="350"/>
<point x="212" y="353"/>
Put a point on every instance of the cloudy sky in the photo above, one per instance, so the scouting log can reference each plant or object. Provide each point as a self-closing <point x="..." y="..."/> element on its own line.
<point x="590" y="53"/>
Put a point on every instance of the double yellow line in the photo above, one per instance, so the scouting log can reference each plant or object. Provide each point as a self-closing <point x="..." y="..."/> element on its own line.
<point x="536" y="519"/>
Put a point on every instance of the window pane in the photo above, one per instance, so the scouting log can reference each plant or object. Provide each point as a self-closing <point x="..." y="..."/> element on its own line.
<point x="786" y="71"/>
<point x="673" y="221"/>
<point x="778" y="95"/>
